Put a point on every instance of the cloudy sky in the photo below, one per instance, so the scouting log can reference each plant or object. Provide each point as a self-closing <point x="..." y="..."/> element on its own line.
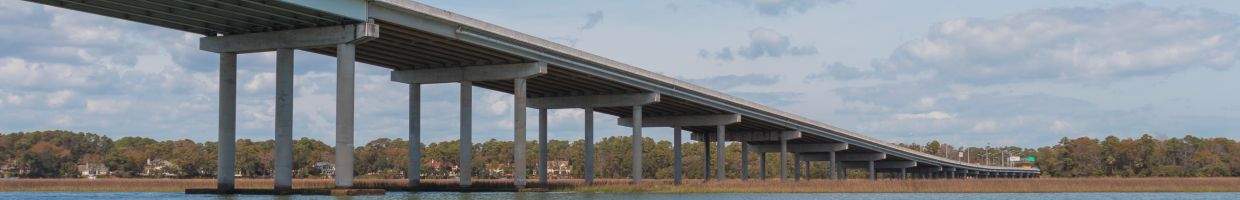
<point x="971" y="72"/>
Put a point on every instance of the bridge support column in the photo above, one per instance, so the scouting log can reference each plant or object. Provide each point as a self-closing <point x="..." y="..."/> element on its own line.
<point x="677" y="164"/>
<point x="589" y="129"/>
<point x="705" y="160"/>
<point x="796" y="167"/>
<point x="744" y="161"/>
<point x="344" y="114"/>
<point x="284" y="120"/>
<point x="842" y="171"/>
<point x="637" y="144"/>
<point x="806" y="169"/>
<point x="783" y="164"/>
<point x="903" y="173"/>
<point x="871" y="172"/>
<point x="720" y="165"/>
<point x="415" y="135"/>
<point x="226" y="155"/>
<point x="518" y="136"/>
<point x="762" y="166"/>
<point x="465" y="148"/>
<point x="542" y="147"/>
<point x="951" y="174"/>
<point x="834" y="164"/>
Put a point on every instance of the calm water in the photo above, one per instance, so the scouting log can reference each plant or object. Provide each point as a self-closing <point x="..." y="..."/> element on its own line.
<point x="534" y="196"/>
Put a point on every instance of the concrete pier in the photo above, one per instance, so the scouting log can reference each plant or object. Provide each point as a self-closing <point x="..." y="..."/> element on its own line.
<point x="518" y="136"/>
<point x="796" y="167"/>
<point x="744" y="161"/>
<point x="637" y="144"/>
<point x="677" y="156"/>
<point x="542" y="147"/>
<point x="762" y="166"/>
<point x="465" y="156"/>
<point x="783" y="164"/>
<point x="706" y="160"/>
<point x="834" y="164"/>
<point x="589" y="140"/>
<point x="226" y="155"/>
<point x="344" y="115"/>
<point x="720" y="164"/>
<point x="284" y="120"/>
<point x="415" y="135"/>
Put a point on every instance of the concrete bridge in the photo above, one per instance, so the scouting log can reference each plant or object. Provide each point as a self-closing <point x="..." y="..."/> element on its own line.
<point x="426" y="45"/>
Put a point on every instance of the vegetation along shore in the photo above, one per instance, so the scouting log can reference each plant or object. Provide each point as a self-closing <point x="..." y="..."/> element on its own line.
<point x="690" y="186"/>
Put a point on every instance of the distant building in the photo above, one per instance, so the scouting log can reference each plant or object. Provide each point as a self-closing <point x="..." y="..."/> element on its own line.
<point x="92" y="170"/>
<point x="8" y="170"/>
<point x="559" y="169"/>
<point x="158" y="168"/>
<point x="499" y="170"/>
<point x="325" y="168"/>
<point x="436" y="168"/>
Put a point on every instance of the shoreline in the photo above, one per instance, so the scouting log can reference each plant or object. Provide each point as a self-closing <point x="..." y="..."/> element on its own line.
<point x="1039" y="185"/>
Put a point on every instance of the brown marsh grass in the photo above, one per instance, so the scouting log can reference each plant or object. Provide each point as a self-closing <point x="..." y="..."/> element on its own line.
<point x="690" y="186"/>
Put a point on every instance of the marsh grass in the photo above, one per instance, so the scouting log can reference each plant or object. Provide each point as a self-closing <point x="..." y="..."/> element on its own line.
<point x="690" y="186"/>
<point x="939" y="186"/>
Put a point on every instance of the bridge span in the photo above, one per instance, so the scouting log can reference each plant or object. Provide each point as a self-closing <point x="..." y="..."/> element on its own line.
<point x="426" y="45"/>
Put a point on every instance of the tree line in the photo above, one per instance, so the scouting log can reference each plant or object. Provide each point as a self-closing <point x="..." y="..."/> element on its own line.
<point x="56" y="154"/>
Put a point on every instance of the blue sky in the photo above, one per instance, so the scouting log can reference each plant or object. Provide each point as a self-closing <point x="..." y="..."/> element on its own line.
<point x="970" y="72"/>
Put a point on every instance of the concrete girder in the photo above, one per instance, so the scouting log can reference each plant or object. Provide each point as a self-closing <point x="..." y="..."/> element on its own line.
<point x="895" y="164"/>
<point x="755" y="136"/>
<point x="470" y="73"/>
<point x="804" y="148"/>
<point x="594" y="101"/>
<point x="847" y="157"/>
<point x="683" y="121"/>
<point x="292" y="39"/>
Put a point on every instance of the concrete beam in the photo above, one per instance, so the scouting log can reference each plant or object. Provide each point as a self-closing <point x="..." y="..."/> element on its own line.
<point x="291" y="39"/>
<point x="883" y="164"/>
<point x="853" y="157"/>
<point x="470" y="73"/>
<point x="594" y="101"/>
<point x="804" y="148"/>
<point x="352" y="9"/>
<point x="754" y="136"/>
<point x="683" y="121"/>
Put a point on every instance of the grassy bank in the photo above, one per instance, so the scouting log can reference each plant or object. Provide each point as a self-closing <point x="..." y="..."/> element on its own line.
<point x="690" y="186"/>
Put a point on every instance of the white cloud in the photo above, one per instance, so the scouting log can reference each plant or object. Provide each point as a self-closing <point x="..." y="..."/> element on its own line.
<point x="1077" y="44"/>
<point x="985" y="127"/>
<point x="934" y="115"/>
<point x="498" y="103"/>
<point x="58" y="98"/>
<point x="773" y="8"/>
<point x="763" y="42"/>
<point x="1060" y="126"/>
<point x="260" y="81"/>
<point x="106" y="106"/>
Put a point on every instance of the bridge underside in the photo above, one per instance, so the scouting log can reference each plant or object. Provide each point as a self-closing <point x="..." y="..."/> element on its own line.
<point x="418" y="39"/>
